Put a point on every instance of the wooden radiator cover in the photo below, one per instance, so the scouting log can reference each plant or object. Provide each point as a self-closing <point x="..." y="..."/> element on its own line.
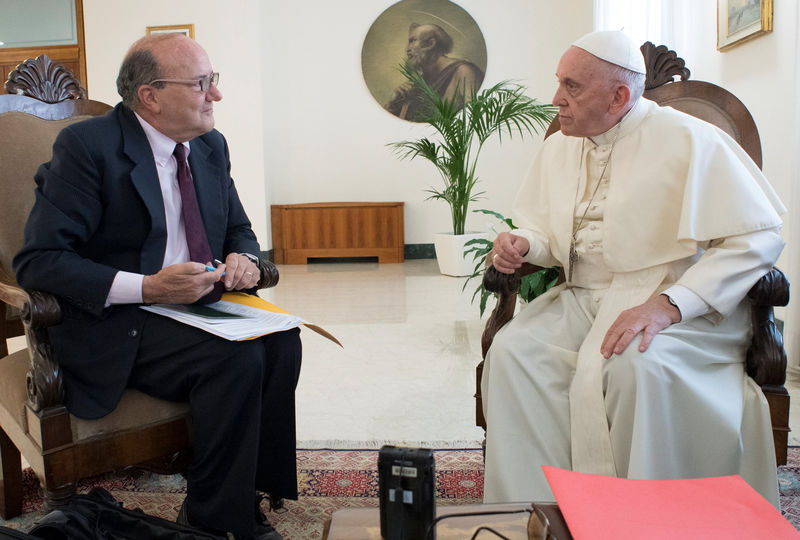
<point x="337" y="229"/>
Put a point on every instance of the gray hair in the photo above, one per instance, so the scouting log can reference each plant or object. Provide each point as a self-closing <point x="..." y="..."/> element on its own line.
<point x="138" y="68"/>
<point x="633" y="80"/>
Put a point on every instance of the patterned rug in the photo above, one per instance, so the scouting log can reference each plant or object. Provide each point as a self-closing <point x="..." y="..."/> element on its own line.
<point x="789" y="485"/>
<point x="329" y="480"/>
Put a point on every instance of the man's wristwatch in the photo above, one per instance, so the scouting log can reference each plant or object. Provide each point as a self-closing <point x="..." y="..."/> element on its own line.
<point x="253" y="259"/>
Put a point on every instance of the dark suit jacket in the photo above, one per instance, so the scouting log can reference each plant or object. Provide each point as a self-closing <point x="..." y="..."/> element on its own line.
<point x="99" y="210"/>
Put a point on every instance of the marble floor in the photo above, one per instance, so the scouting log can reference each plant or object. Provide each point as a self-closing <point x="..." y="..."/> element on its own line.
<point x="793" y="385"/>
<point x="406" y="373"/>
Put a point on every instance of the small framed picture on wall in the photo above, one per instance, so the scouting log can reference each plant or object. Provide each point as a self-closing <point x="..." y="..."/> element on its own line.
<point x="185" y="29"/>
<point x="742" y="20"/>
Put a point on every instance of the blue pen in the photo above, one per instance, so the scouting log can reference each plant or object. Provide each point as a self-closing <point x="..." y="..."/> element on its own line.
<point x="211" y="268"/>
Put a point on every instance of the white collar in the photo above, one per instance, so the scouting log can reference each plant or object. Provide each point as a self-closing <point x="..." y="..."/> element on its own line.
<point x="161" y="145"/>
<point x="624" y="126"/>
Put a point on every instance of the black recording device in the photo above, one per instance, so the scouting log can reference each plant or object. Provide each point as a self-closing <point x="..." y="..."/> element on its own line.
<point x="406" y="482"/>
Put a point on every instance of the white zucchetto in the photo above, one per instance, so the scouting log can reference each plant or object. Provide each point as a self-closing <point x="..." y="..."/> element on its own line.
<point x="615" y="47"/>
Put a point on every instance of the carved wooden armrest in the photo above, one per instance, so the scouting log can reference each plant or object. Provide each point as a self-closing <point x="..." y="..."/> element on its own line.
<point x="766" y="357"/>
<point x="506" y="287"/>
<point x="38" y="311"/>
<point x="45" y="386"/>
<point x="269" y="274"/>
<point x="497" y="282"/>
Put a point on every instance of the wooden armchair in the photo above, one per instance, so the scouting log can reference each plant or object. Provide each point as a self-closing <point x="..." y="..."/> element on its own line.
<point x="766" y="357"/>
<point x="60" y="447"/>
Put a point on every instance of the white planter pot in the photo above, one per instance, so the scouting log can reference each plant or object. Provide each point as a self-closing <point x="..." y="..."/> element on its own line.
<point x="450" y="252"/>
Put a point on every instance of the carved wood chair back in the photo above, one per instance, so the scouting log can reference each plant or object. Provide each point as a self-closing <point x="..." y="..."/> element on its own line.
<point x="766" y="358"/>
<point x="47" y="91"/>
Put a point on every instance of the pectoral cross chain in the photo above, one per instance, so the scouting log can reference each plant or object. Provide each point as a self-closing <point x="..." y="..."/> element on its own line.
<point x="573" y="254"/>
<point x="573" y="258"/>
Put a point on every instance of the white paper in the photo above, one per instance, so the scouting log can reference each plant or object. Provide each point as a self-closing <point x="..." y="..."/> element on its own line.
<point x="251" y="322"/>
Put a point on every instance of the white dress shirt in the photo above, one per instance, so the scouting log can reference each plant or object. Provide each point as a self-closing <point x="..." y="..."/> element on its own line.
<point x="127" y="286"/>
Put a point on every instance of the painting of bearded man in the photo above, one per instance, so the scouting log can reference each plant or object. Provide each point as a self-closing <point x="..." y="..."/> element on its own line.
<point x="427" y="52"/>
<point x="436" y="40"/>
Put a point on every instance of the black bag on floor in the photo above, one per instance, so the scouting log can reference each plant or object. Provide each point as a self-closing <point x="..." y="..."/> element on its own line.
<point x="98" y="516"/>
<point x="13" y="534"/>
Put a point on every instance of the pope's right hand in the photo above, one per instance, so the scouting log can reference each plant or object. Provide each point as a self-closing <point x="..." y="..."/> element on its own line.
<point x="182" y="283"/>
<point x="507" y="252"/>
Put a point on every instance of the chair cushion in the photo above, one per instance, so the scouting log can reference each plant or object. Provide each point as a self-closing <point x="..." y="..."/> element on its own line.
<point x="11" y="313"/>
<point x="13" y="389"/>
<point x="135" y="409"/>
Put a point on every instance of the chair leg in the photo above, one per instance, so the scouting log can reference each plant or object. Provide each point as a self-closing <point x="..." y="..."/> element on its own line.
<point x="480" y="421"/>
<point x="778" y="399"/>
<point x="10" y="478"/>
<point x="58" y="497"/>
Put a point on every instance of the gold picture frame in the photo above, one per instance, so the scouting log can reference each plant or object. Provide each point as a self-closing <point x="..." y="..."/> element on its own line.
<point x="185" y="29"/>
<point x="742" y="20"/>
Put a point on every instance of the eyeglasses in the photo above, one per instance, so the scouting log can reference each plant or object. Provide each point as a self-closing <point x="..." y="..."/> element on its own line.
<point x="203" y="83"/>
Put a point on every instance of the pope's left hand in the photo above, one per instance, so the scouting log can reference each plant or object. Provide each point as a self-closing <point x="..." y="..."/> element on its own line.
<point x="651" y="318"/>
<point x="240" y="272"/>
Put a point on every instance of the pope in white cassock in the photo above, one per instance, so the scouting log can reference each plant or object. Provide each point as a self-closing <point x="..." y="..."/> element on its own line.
<point x="635" y="366"/>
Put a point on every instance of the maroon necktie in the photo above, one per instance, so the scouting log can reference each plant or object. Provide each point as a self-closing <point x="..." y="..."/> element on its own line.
<point x="199" y="250"/>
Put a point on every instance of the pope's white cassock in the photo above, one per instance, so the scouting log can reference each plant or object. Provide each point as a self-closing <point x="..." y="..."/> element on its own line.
<point x="680" y="209"/>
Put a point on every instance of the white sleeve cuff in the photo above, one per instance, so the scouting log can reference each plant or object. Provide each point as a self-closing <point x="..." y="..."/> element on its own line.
<point x="126" y="289"/>
<point x="538" y="253"/>
<point x="689" y="304"/>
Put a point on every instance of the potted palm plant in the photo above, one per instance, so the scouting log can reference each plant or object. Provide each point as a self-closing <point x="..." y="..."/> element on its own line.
<point x="463" y="124"/>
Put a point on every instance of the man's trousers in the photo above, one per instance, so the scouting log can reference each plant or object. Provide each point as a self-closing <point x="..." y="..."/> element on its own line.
<point x="241" y="395"/>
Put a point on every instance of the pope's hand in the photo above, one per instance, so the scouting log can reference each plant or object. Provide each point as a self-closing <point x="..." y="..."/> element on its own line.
<point x="507" y="252"/>
<point x="651" y="318"/>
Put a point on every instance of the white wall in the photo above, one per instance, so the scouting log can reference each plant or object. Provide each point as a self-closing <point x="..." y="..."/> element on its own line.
<point x="325" y="135"/>
<point x="231" y="34"/>
<point x="764" y="74"/>
<point x="301" y="123"/>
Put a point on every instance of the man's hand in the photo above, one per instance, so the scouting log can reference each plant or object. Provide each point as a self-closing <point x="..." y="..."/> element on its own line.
<point x="507" y="252"/>
<point x="240" y="272"/>
<point x="402" y="91"/>
<point x="182" y="283"/>
<point x="651" y="318"/>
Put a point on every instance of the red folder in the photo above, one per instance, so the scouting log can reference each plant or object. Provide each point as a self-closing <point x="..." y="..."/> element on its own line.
<point x="725" y="507"/>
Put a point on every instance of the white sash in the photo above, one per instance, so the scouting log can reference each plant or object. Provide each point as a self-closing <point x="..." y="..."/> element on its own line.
<point x="591" y="441"/>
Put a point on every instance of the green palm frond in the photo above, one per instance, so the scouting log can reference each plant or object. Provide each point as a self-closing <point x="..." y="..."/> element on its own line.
<point x="464" y="123"/>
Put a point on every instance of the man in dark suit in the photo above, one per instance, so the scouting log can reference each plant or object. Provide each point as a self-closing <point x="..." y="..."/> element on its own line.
<point x="112" y="228"/>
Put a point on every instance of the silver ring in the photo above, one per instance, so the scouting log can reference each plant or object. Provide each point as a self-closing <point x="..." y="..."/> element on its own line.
<point x="495" y="257"/>
<point x="249" y="273"/>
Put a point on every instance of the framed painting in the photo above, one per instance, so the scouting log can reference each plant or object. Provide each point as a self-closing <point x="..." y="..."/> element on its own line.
<point x="741" y="20"/>
<point x="185" y="29"/>
<point x="435" y="37"/>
